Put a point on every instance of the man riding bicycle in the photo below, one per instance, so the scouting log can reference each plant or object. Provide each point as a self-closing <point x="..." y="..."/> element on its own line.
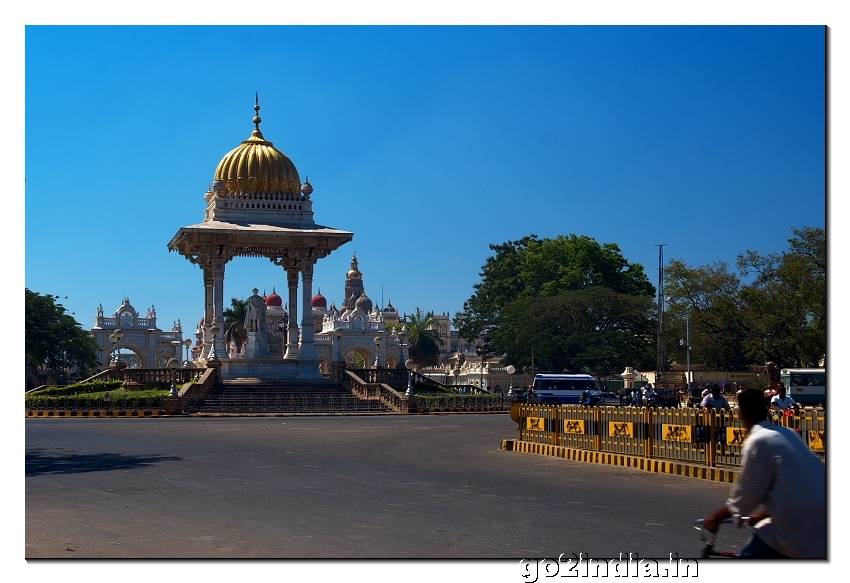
<point x="782" y="486"/>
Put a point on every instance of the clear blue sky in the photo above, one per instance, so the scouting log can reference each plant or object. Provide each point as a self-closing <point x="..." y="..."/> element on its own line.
<point x="429" y="143"/>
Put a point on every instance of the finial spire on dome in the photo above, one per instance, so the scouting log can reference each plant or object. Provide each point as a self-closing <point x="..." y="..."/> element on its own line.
<point x="257" y="120"/>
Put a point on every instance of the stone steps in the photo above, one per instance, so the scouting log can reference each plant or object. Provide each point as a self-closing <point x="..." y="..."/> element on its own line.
<point x="267" y="397"/>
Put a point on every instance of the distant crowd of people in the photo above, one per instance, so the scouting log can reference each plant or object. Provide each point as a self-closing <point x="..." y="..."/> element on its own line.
<point x="709" y="397"/>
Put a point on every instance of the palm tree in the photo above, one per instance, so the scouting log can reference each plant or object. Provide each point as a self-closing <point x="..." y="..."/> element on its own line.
<point x="424" y="342"/>
<point x="234" y="323"/>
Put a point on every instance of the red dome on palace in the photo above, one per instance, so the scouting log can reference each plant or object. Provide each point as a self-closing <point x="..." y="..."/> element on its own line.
<point x="319" y="301"/>
<point x="273" y="300"/>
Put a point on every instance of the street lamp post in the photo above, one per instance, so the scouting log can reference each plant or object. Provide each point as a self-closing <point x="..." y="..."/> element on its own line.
<point x="402" y="336"/>
<point x="378" y="363"/>
<point x="409" y="364"/>
<point x="688" y="342"/>
<point x="119" y="333"/>
<point x="213" y="357"/>
<point x="480" y="350"/>
<point x="172" y="366"/>
<point x="187" y="343"/>
<point x="510" y="369"/>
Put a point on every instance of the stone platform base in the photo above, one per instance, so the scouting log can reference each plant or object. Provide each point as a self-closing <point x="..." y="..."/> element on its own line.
<point x="276" y="370"/>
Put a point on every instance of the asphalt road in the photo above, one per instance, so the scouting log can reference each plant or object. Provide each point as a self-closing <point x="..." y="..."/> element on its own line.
<point x="340" y="487"/>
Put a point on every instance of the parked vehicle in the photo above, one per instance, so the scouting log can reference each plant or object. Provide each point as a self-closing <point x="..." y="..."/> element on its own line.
<point x="519" y="394"/>
<point x="562" y="389"/>
<point x="667" y="398"/>
<point x="806" y="386"/>
<point x="609" y="399"/>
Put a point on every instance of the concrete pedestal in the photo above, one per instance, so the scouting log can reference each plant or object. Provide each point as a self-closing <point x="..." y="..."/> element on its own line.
<point x="277" y="370"/>
<point x="256" y="346"/>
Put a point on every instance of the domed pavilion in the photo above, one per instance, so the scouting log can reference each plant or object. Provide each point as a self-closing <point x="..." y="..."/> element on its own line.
<point x="258" y="207"/>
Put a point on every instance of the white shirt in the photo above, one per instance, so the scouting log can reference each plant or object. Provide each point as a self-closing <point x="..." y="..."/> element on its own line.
<point x="779" y="471"/>
<point x="782" y="404"/>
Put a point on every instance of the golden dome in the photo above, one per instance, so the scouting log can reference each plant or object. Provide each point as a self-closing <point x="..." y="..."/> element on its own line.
<point x="354" y="273"/>
<point x="257" y="167"/>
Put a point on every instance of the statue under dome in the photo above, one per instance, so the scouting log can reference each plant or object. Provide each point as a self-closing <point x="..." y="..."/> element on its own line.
<point x="257" y="327"/>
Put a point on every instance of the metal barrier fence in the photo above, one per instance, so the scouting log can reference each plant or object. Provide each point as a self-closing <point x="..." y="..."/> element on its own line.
<point x="85" y="404"/>
<point x="454" y="401"/>
<point x="284" y="404"/>
<point x="682" y="434"/>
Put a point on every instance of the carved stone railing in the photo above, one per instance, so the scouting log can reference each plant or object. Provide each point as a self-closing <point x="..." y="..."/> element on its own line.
<point x="394" y="377"/>
<point x="202" y="385"/>
<point x="159" y="376"/>
<point x="374" y="391"/>
<point x="146" y="323"/>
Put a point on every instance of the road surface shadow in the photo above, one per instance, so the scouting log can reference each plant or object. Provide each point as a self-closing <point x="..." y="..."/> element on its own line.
<point x="38" y="462"/>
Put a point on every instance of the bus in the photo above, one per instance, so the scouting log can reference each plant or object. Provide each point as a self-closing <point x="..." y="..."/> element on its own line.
<point x="562" y="389"/>
<point x="807" y="386"/>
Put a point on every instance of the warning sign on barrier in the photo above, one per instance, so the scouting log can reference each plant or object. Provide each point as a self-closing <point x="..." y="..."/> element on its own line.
<point x="735" y="435"/>
<point x="817" y="440"/>
<point x="621" y="429"/>
<point x="574" y="426"/>
<point x="535" y="423"/>
<point x="672" y="432"/>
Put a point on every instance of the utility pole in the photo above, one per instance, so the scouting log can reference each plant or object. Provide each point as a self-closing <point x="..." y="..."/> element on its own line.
<point x="659" y="367"/>
<point x="532" y="365"/>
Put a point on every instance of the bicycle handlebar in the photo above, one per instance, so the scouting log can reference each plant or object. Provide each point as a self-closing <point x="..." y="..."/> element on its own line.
<point x="708" y="537"/>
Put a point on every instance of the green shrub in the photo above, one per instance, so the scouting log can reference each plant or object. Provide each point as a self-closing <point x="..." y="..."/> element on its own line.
<point x="456" y="400"/>
<point x="95" y="386"/>
<point x="119" y="400"/>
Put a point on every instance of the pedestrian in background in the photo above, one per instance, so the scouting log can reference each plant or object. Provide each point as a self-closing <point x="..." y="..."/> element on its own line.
<point x="714" y="400"/>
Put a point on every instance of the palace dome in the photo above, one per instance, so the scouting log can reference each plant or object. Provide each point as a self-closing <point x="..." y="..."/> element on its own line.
<point x="273" y="300"/>
<point x="257" y="167"/>
<point x="354" y="273"/>
<point x="319" y="301"/>
<point x="364" y="303"/>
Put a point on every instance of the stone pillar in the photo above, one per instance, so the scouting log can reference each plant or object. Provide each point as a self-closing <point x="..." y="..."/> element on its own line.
<point x="292" y="331"/>
<point x="306" y="350"/>
<point x="218" y="295"/>
<point x="208" y="310"/>
<point x="337" y="368"/>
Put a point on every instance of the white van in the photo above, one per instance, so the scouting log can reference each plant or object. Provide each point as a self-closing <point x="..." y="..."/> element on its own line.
<point x="562" y="389"/>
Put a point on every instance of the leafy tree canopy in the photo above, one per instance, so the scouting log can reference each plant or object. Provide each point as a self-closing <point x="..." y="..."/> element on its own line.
<point x="234" y="322"/>
<point x="55" y="345"/>
<point x="779" y="316"/>
<point x="423" y="340"/>
<point x="595" y="330"/>
<point x="532" y="267"/>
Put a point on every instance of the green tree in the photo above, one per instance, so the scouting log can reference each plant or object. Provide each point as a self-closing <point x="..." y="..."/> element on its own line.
<point x="594" y="329"/>
<point x="234" y="323"/>
<point x="532" y="267"/>
<point x="779" y="315"/>
<point x="423" y="340"/>
<point x="786" y="318"/>
<point x="56" y="345"/>
<point x="717" y="313"/>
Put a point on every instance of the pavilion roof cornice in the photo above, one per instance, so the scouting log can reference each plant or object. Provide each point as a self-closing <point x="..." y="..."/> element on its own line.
<point x="254" y="240"/>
